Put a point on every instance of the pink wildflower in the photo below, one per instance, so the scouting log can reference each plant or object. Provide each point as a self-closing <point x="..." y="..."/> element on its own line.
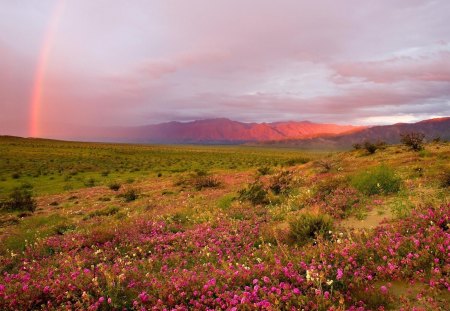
<point x="340" y="274"/>
<point x="143" y="296"/>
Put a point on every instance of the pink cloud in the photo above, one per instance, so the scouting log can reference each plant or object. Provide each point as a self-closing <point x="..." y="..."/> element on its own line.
<point x="140" y="62"/>
<point x="434" y="67"/>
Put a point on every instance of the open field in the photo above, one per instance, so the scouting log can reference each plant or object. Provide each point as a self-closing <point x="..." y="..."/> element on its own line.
<point x="237" y="228"/>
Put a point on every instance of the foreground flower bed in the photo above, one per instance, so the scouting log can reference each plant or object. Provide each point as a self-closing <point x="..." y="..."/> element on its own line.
<point x="225" y="265"/>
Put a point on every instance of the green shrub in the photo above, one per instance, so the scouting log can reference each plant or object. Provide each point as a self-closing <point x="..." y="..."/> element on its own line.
<point x="202" y="181"/>
<point x="130" y="195"/>
<point x="308" y="227"/>
<point x="115" y="186"/>
<point x="20" y="199"/>
<point x="90" y="182"/>
<point x="282" y="182"/>
<point x="379" y="180"/>
<point x="370" y="147"/>
<point x="254" y="193"/>
<point x="414" y="140"/>
<point x="264" y="170"/>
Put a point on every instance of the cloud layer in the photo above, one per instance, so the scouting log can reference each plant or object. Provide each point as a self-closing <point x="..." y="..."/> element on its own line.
<point x="127" y="63"/>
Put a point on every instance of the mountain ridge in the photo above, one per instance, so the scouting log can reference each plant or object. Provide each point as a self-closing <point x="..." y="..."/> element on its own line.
<point x="223" y="130"/>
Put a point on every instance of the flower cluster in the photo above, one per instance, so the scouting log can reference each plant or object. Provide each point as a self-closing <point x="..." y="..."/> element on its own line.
<point x="155" y="265"/>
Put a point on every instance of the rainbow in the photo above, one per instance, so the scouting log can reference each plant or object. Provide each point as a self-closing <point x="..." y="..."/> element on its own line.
<point x="39" y="77"/>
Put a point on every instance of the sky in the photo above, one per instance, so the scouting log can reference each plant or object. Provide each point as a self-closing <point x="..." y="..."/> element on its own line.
<point x="69" y="65"/>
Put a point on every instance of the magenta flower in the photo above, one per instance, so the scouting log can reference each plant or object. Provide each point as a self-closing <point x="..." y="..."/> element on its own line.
<point x="143" y="296"/>
<point x="340" y="274"/>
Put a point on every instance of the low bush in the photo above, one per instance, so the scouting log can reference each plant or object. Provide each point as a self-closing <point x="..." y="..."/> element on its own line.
<point x="326" y="165"/>
<point x="115" y="186"/>
<point x="414" y="140"/>
<point x="370" y="147"/>
<point x="445" y="178"/>
<point x="264" y="170"/>
<point x="130" y="195"/>
<point x="20" y="199"/>
<point x="254" y="193"/>
<point x="201" y="182"/>
<point x="282" y="182"/>
<point x="308" y="227"/>
<point x="90" y="182"/>
<point x="379" y="180"/>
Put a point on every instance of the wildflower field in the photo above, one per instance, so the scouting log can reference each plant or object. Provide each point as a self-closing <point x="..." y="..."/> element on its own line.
<point x="87" y="226"/>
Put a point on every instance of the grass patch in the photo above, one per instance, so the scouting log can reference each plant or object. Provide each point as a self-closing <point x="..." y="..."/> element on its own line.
<point x="102" y="212"/>
<point x="379" y="180"/>
<point x="308" y="227"/>
<point x="225" y="201"/>
<point x="36" y="227"/>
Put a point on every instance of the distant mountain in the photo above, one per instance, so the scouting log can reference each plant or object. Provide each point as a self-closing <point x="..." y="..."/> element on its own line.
<point x="217" y="131"/>
<point x="432" y="128"/>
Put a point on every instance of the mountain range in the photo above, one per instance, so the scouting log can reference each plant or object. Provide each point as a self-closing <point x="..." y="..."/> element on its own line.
<point x="297" y="134"/>
<point x="290" y="133"/>
<point x="225" y="131"/>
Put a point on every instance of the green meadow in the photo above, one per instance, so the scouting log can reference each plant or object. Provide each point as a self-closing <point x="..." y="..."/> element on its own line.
<point x="55" y="166"/>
